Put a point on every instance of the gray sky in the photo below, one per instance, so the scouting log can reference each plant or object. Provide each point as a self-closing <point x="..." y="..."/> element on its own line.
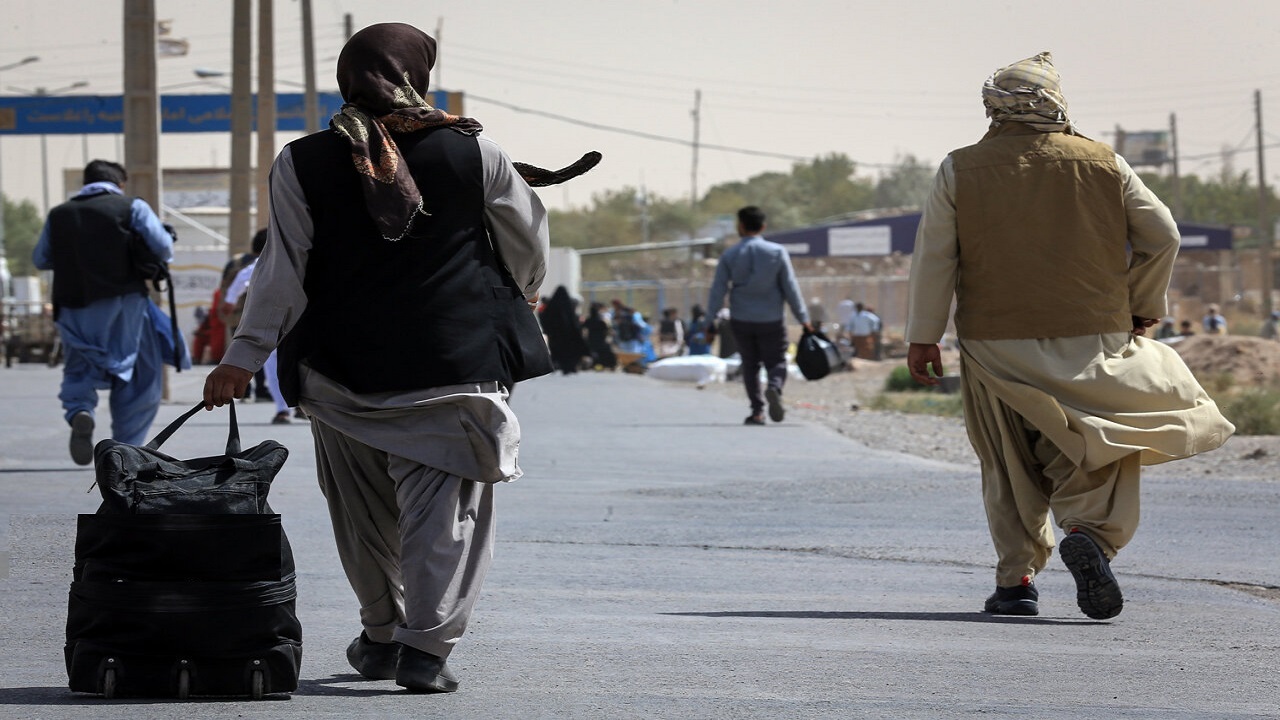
<point x="874" y="80"/>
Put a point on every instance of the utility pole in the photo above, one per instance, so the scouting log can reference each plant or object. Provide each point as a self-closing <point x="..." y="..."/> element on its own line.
<point x="241" y="124"/>
<point x="1264" y="223"/>
<point x="141" y="102"/>
<point x="1177" y="179"/>
<point x="142" y="112"/>
<point x="644" y="214"/>
<point x="4" y="263"/>
<point x="348" y="26"/>
<point x="266" y="108"/>
<point x="439" y="63"/>
<point x="310" y="103"/>
<point x="697" y="131"/>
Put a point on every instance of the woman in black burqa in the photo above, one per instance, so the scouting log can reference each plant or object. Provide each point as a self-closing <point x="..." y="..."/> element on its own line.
<point x="564" y="331"/>
<point x="598" y="331"/>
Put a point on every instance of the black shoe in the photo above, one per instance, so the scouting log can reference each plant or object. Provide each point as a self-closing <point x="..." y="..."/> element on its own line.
<point x="1097" y="592"/>
<point x="297" y="412"/>
<point x="281" y="418"/>
<point x="754" y="420"/>
<point x="1016" y="600"/>
<point x="774" y="396"/>
<point x="81" y="444"/>
<point x="376" y="661"/>
<point x="423" y="672"/>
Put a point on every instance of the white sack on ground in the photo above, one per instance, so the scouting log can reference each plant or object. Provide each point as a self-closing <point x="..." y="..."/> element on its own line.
<point x="700" y="369"/>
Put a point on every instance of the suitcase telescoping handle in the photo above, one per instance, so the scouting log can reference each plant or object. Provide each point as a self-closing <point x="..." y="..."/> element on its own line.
<point x="233" y="436"/>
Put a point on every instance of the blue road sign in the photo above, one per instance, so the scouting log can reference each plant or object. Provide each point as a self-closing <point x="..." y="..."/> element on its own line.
<point x="94" y="114"/>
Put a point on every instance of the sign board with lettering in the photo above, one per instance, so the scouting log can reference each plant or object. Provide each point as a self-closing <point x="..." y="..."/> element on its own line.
<point x="897" y="234"/>
<point x="94" y="114"/>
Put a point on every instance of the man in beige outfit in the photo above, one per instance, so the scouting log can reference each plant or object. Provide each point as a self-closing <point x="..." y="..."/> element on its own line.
<point x="1059" y="259"/>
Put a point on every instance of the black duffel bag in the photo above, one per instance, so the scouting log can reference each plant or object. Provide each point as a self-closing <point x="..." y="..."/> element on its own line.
<point x="816" y="356"/>
<point x="136" y="479"/>
<point x="184" y="579"/>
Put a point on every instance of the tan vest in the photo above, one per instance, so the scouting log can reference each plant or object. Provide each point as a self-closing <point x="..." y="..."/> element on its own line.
<point x="1042" y="233"/>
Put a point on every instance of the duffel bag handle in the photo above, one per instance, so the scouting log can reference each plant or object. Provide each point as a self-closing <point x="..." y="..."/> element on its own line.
<point x="233" y="436"/>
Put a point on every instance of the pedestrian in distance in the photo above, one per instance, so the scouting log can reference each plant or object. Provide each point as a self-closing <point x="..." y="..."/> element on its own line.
<point x="399" y="326"/>
<point x="94" y="244"/>
<point x="1051" y="316"/>
<point x="1213" y="322"/>
<point x="758" y="279"/>
<point x="671" y="334"/>
<point x="559" y="320"/>
<point x="1271" y="327"/>
<point x="237" y="295"/>
<point x="701" y="332"/>
<point x="864" y="326"/>
<point x="597" y="332"/>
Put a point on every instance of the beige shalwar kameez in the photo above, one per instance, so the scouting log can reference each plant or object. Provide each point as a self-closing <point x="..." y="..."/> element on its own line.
<point x="1063" y="424"/>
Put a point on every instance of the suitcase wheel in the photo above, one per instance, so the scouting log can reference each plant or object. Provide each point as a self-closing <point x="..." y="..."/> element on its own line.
<point x="109" y="683"/>
<point x="184" y="682"/>
<point x="257" y="684"/>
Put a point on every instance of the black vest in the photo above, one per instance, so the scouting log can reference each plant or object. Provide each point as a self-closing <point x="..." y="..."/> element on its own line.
<point x="431" y="309"/>
<point x="91" y="238"/>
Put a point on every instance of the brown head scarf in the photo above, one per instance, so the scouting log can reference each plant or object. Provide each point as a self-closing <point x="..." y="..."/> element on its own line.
<point x="383" y="72"/>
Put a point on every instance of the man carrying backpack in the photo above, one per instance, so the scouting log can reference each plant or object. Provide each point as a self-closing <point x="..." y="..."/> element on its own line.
<point x="101" y="307"/>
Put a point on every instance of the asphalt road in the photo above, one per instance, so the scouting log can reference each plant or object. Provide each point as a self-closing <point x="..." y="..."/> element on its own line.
<point x="660" y="560"/>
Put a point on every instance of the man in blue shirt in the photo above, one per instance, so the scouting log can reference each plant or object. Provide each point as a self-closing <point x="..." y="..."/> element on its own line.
<point x="100" y="304"/>
<point x="758" y="278"/>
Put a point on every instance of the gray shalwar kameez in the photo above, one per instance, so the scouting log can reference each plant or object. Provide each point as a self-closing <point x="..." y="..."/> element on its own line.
<point x="407" y="475"/>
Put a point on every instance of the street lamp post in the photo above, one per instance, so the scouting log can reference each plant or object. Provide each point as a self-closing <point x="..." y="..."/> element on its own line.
<point x="4" y="261"/>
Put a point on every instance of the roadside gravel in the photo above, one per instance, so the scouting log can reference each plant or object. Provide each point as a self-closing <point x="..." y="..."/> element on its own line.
<point x="839" y="401"/>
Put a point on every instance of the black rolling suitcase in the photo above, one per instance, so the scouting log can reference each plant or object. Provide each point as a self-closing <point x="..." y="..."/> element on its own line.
<point x="184" y="579"/>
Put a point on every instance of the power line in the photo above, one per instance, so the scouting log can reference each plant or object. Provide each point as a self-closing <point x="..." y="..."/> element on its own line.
<point x="1231" y="152"/>
<point x="651" y="136"/>
<point x="634" y="133"/>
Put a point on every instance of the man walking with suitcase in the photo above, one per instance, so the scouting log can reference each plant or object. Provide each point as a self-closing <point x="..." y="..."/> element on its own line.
<point x="395" y="317"/>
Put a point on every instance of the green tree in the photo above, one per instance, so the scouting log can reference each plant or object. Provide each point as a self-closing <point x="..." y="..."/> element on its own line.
<point x="1229" y="199"/>
<point x="22" y="225"/>
<point x="907" y="184"/>
<point x="826" y="187"/>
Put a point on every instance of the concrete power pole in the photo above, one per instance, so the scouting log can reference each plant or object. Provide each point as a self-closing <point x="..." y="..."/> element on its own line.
<point x="439" y="83"/>
<point x="266" y="108"/>
<point x="142" y="112"/>
<point x="1177" y="178"/>
<point x="141" y="102"/>
<point x="310" y="103"/>
<point x="241" y="124"/>
<point x="697" y="131"/>
<point x="1264" y="223"/>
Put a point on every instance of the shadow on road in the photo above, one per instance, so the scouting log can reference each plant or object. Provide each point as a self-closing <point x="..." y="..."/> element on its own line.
<point x="335" y="686"/>
<point x="886" y="615"/>
<point x="62" y="696"/>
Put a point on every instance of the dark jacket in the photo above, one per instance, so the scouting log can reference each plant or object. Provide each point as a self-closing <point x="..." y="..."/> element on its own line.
<point x="434" y="308"/>
<point x="91" y="240"/>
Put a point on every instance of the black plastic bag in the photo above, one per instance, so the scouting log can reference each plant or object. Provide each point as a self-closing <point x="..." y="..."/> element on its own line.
<point x="816" y="355"/>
